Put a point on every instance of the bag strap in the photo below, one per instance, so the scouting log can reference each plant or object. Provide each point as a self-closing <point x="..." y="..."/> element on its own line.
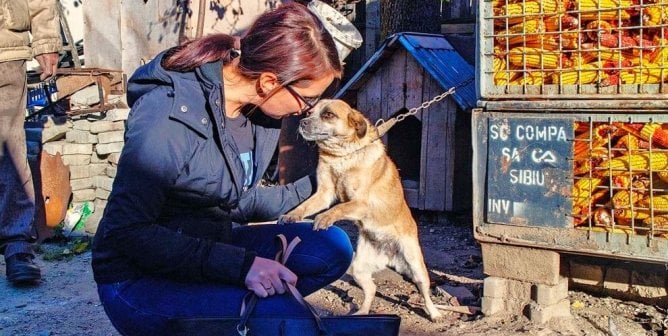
<point x="250" y="299"/>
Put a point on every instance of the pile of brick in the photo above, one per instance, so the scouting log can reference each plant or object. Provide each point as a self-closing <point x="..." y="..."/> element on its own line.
<point x="90" y="145"/>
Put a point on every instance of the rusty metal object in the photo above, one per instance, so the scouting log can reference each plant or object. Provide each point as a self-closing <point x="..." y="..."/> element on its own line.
<point x="55" y="188"/>
<point x="107" y="81"/>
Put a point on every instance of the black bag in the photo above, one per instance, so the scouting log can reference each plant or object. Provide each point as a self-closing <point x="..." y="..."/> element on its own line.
<point x="365" y="325"/>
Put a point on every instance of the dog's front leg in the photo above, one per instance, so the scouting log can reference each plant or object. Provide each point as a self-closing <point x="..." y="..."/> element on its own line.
<point x="353" y="210"/>
<point x="314" y="204"/>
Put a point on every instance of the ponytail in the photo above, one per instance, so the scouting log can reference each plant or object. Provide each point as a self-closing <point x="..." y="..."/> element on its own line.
<point x="194" y="53"/>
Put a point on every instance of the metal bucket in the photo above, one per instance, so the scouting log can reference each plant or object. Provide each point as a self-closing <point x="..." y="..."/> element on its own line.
<point x="345" y="35"/>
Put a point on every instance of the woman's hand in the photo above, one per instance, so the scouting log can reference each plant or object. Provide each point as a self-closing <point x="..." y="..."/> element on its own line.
<point x="265" y="275"/>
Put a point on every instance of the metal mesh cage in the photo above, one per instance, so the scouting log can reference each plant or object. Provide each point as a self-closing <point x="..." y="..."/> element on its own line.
<point x="574" y="48"/>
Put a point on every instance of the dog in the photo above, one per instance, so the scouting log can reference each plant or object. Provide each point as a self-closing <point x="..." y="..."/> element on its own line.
<point x="355" y="173"/>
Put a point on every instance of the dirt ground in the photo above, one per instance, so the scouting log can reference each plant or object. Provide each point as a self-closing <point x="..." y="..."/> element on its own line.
<point x="66" y="303"/>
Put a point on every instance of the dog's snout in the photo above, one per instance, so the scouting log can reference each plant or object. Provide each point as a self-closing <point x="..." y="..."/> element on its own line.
<point x="305" y="122"/>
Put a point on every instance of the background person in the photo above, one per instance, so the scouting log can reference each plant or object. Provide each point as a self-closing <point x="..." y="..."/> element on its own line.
<point x="19" y="20"/>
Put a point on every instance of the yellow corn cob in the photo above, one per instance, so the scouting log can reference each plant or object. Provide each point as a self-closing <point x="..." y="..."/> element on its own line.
<point x="561" y="22"/>
<point x="631" y="214"/>
<point x="660" y="55"/>
<point x="587" y="74"/>
<point x="635" y="163"/>
<point x="660" y="221"/>
<point x="644" y="75"/>
<point x="529" y="78"/>
<point x="625" y="199"/>
<point x="654" y="15"/>
<point x="658" y="203"/>
<point x="583" y="190"/>
<point x="502" y="75"/>
<point x="589" y="9"/>
<point x="533" y="57"/>
<point x="517" y="12"/>
<point x="570" y="40"/>
<point x="600" y="136"/>
<point x="628" y="141"/>
<point x="609" y="55"/>
<point x="544" y="42"/>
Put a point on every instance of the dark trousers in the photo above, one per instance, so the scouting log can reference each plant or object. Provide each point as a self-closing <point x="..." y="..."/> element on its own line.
<point x="17" y="195"/>
<point x="143" y="306"/>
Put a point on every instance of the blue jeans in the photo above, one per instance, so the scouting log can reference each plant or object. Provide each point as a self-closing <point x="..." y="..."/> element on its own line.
<point x="143" y="306"/>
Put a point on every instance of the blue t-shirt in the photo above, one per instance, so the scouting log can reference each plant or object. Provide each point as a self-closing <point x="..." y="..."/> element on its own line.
<point x="242" y="132"/>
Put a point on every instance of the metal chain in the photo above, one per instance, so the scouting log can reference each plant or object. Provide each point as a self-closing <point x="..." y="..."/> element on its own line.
<point x="426" y="104"/>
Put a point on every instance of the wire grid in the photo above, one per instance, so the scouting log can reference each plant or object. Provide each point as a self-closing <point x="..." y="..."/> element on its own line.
<point x="578" y="46"/>
<point x="599" y="186"/>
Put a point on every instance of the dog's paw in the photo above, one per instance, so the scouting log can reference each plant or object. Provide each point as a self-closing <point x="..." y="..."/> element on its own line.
<point x="288" y="218"/>
<point x="324" y="220"/>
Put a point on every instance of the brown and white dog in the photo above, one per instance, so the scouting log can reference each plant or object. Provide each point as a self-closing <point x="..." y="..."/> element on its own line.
<point x="356" y="176"/>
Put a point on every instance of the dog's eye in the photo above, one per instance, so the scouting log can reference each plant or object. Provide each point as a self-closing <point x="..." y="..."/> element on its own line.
<point x="327" y="115"/>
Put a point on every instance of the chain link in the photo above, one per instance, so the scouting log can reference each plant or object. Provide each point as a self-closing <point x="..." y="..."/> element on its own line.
<point x="426" y="104"/>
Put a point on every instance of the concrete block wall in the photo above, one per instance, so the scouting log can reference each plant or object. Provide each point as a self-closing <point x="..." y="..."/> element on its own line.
<point x="90" y="145"/>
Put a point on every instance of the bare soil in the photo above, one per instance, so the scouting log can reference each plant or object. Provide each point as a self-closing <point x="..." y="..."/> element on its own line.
<point x="66" y="303"/>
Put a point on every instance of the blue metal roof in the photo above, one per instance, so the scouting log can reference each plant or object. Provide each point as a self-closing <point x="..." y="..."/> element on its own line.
<point x="435" y="54"/>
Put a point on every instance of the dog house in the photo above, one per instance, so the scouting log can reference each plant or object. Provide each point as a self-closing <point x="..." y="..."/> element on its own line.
<point x="432" y="149"/>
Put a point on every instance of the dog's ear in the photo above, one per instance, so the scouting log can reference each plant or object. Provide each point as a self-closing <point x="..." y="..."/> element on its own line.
<point x="357" y="121"/>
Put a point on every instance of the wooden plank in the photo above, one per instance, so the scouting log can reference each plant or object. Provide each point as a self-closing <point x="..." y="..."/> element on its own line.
<point x="393" y="87"/>
<point x="412" y="198"/>
<point x="372" y="92"/>
<point x="414" y="83"/>
<point x="147" y="27"/>
<point x="450" y="154"/>
<point x="458" y="28"/>
<point x="437" y="150"/>
<point x="102" y="34"/>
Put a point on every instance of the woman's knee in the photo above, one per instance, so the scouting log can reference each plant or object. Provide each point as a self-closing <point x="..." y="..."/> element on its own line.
<point x="336" y="241"/>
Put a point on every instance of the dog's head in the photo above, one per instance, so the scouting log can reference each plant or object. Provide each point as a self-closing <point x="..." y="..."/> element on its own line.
<point x="333" y="119"/>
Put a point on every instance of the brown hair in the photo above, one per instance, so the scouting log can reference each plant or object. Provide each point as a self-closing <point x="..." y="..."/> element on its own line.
<point x="289" y="41"/>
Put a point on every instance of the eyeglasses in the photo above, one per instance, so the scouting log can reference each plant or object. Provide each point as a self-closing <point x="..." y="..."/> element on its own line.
<point x="309" y="102"/>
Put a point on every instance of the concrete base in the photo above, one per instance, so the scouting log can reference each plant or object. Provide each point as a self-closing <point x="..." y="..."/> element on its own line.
<point x="523" y="281"/>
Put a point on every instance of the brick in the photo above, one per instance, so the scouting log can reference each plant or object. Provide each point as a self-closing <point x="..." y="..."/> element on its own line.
<point x="492" y="306"/>
<point x="518" y="290"/>
<point x="583" y="274"/>
<point x="108" y="148"/>
<point x="543" y="314"/>
<point x="83" y="195"/>
<point x="76" y="160"/>
<point x="521" y="263"/>
<point x="81" y="184"/>
<point x="648" y="285"/>
<point x="107" y="126"/>
<point x="56" y="132"/>
<point x="547" y="295"/>
<point x="111" y="171"/>
<point x="95" y="158"/>
<point x="72" y="148"/>
<point x="100" y="204"/>
<point x="79" y="172"/>
<point x="113" y="158"/>
<point x="617" y="279"/>
<point x="494" y="287"/>
<point x="82" y="125"/>
<point x="80" y="137"/>
<point x="53" y="147"/>
<point x="103" y="182"/>
<point x="114" y="136"/>
<point x="92" y="222"/>
<point x="98" y="168"/>
<point x="117" y="114"/>
<point x="102" y="194"/>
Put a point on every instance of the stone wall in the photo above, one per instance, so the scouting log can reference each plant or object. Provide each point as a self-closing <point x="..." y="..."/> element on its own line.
<point x="90" y="145"/>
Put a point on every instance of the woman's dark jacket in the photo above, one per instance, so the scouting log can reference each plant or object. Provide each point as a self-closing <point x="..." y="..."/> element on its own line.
<point x="179" y="184"/>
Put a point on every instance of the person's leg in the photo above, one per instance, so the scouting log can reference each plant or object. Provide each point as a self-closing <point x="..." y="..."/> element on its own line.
<point x="320" y="258"/>
<point x="17" y="195"/>
<point x="145" y="306"/>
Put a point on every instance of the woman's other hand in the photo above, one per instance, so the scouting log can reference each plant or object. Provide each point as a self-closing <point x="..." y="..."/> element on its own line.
<point x="265" y="275"/>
